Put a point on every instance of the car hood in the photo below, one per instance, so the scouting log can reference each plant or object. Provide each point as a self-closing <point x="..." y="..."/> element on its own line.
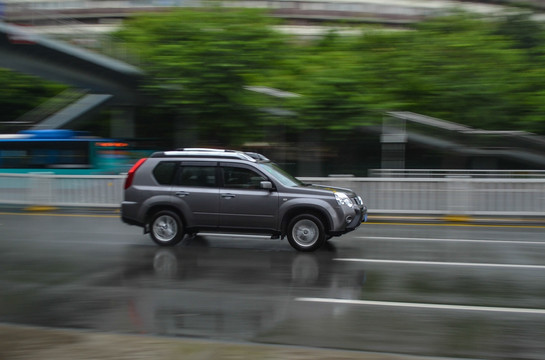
<point x="333" y="189"/>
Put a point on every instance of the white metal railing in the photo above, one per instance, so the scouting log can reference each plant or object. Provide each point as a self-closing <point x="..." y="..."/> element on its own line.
<point x="427" y="173"/>
<point x="61" y="190"/>
<point x="447" y="196"/>
<point x="433" y="196"/>
<point x="387" y="8"/>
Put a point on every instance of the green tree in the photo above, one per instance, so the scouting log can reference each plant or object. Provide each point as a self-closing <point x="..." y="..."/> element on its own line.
<point x="199" y="62"/>
<point x="461" y="68"/>
<point x="333" y="87"/>
<point x="456" y="67"/>
<point x="525" y="32"/>
<point x="21" y="93"/>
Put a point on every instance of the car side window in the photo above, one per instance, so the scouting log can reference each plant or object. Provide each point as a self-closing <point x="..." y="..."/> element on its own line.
<point x="241" y="178"/>
<point x="198" y="176"/>
<point x="164" y="172"/>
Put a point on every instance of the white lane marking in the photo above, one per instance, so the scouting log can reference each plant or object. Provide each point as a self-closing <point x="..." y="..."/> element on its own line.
<point x="452" y="240"/>
<point x="424" y="305"/>
<point x="412" y="262"/>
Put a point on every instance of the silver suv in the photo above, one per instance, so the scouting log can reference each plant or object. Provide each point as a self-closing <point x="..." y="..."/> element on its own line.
<point x="174" y="193"/>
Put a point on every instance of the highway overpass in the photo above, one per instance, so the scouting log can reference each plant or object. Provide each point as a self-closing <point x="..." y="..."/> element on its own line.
<point x="105" y="81"/>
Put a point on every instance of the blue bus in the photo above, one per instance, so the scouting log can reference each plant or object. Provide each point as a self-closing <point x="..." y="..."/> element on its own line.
<point x="62" y="152"/>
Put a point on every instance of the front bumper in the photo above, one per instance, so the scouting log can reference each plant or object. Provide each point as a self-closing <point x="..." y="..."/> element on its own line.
<point x="359" y="218"/>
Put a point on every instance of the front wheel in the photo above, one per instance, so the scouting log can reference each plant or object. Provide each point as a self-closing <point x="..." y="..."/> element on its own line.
<point x="306" y="233"/>
<point x="166" y="228"/>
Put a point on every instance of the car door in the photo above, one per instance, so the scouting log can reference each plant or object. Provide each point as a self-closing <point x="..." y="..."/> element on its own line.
<point x="243" y="203"/>
<point x="195" y="190"/>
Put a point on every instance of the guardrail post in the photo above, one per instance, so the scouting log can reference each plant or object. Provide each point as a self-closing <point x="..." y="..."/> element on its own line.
<point x="458" y="197"/>
<point x="41" y="189"/>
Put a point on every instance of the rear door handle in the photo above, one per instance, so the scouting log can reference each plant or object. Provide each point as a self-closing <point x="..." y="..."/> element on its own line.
<point x="228" y="196"/>
<point x="182" y="194"/>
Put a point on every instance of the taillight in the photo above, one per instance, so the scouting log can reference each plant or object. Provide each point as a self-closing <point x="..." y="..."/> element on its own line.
<point x="132" y="171"/>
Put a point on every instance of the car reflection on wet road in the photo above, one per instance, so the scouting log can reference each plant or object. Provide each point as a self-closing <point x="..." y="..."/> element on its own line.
<point x="227" y="293"/>
<point x="458" y="291"/>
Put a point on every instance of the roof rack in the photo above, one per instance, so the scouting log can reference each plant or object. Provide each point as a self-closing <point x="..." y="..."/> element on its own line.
<point x="206" y="152"/>
<point x="256" y="156"/>
<point x="200" y="149"/>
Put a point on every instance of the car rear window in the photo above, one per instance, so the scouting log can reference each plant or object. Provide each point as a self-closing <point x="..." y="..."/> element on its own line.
<point x="164" y="172"/>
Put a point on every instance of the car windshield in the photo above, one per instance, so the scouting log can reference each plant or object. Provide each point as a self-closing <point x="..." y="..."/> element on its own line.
<point x="280" y="175"/>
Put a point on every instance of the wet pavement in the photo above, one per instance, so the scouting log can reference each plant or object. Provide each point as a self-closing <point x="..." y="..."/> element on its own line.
<point x="436" y="290"/>
<point x="30" y="343"/>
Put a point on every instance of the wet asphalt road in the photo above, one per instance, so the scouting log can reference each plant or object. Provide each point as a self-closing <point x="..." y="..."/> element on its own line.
<point x="427" y="289"/>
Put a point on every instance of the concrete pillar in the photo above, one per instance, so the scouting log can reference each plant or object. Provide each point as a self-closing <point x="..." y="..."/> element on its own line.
<point x="122" y="123"/>
<point x="310" y="154"/>
<point x="393" y="141"/>
<point x="185" y="133"/>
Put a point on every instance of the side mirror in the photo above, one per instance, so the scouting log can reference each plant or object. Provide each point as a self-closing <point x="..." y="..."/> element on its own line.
<point x="267" y="185"/>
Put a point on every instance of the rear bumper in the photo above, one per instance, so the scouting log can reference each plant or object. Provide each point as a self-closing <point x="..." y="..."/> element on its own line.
<point x="129" y="221"/>
<point x="127" y="213"/>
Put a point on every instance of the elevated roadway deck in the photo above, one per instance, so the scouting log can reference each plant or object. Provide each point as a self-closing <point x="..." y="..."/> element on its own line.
<point x="106" y="80"/>
<point x="30" y="53"/>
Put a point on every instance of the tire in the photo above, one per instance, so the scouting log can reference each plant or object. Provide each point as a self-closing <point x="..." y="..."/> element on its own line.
<point x="306" y="233"/>
<point x="166" y="228"/>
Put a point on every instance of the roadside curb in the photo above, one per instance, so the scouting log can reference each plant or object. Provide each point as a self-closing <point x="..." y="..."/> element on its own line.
<point x="460" y="220"/>
<point x="40" y="208"/>
<point x="378" y="218"/>
<point x="21" y="342"/>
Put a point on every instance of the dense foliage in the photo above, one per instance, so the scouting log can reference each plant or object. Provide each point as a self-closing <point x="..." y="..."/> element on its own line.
<point x="21" y="93"/>
<point x="199" y="61"/>
<point x="486" y="74"/>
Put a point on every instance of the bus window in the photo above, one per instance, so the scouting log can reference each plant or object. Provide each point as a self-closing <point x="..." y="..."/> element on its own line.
<point x="62" y="151"/>
<point x="11" y="159"/>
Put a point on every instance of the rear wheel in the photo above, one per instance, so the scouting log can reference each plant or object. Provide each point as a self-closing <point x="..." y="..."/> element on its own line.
<point x="306" y="233"/>
<point x="166" y="228"/>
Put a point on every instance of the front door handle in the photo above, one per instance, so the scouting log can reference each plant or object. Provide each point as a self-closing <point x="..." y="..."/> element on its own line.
<point x="228" y="196"/>
<point x="182" y="194"/>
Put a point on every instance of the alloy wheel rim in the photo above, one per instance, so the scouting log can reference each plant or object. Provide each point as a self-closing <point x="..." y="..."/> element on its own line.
<point x="305" y="233"/>
<point x="165" y="228"/>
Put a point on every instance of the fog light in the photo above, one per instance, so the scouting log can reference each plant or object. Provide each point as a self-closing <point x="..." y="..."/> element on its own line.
<point x="348" y="219"/>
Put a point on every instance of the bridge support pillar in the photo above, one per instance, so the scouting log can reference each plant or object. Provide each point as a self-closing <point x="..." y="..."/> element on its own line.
<point x="122" y="123"/>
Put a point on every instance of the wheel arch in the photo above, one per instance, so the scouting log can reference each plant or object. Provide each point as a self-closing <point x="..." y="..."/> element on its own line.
<point x="300" y="210"/>
<point x="160" y="207"/>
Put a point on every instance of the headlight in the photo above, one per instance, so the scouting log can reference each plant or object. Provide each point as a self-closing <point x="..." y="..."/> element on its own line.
<point x="343" y="199"/>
